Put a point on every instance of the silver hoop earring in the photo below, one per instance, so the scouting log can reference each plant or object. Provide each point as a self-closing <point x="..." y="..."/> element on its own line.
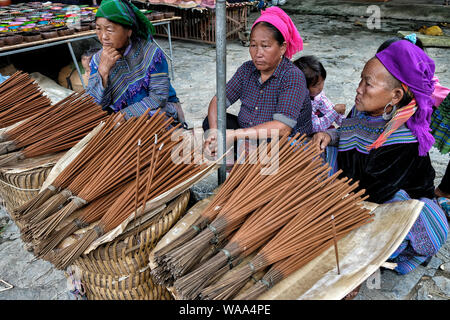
<point x="388" y="116"/>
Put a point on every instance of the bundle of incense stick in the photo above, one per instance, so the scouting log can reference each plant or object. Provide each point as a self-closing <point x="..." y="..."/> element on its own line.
<point x="282" y="269"/>
<point x="87" y="216"/>
<point x="322" y="220"/>
<point x="236" y="176"/>
<point x="303" y="191"/>
<point x="20" y="98"/>
<point x="255" y="190"/>
<point x="242" y="176"/>
<point x="282" y="208"/>
<point x="31" y="211"/>
<point x="157" y="178"/>
<point x="55" y="129"/>
<point x="112" y="168"/>
<point x="80" y="219"/>
<point x="242" y="170"/>
<point x="56" y="194"/>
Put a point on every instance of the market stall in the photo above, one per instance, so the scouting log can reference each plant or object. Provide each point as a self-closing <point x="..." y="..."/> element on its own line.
<point x="46" y="148"/>
<point x="197" y="21"/>
<point x="36" y="21"/>
<point x="33" y="26"/>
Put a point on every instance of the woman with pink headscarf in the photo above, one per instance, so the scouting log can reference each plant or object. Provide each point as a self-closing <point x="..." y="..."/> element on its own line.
<point x="272" y="91"/>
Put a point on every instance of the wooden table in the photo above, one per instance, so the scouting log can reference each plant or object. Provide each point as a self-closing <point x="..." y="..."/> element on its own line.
<point x="36" y="45"/>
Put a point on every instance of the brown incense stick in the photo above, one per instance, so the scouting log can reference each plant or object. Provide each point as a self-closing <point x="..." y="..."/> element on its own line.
<point x="335" y="244"/>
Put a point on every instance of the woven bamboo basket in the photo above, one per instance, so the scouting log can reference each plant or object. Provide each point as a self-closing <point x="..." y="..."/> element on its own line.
<point x="20" y="182"/>
<point x="119" y="270"/>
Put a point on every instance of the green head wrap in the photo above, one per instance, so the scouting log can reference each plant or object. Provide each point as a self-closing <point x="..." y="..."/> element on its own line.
<point x="127" y="14"/>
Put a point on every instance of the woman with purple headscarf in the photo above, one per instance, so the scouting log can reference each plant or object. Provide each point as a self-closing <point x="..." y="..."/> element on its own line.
<point x="384" y="143"/>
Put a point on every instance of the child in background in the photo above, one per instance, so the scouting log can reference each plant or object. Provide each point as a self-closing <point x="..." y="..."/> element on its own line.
<point x="324" y="113"/>
<point x="85" y="62"/>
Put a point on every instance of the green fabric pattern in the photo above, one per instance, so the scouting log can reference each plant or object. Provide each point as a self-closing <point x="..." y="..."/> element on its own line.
<point x="127" y="14"/>
<point x="440" y="126"/>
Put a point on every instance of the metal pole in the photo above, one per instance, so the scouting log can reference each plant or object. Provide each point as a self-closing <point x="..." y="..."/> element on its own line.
<point x="221" y="49"/>
<point x="76" y="64"/>
<point x="170" y="49"/>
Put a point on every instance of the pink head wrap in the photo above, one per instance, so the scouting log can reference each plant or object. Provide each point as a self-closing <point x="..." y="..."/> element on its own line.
<point x="280" y="20"/>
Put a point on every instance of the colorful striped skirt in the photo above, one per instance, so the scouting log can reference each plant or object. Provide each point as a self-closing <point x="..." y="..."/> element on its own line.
<point x="427" y="235"/>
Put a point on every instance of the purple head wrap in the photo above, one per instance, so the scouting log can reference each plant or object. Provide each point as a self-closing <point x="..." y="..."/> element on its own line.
<point x="412" y="66"/>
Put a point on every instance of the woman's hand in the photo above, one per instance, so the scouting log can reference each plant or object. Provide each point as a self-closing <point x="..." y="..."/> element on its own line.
<point x="321" y="139"/>
<point x="210" y="144"/>
<point x="108" y="59"/>
<point x="340" y="108"/>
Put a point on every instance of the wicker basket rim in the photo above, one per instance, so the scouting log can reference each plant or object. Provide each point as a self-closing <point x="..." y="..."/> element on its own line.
<point x="99" y="285"/>
<point x="181" y="200"/>
<point x="31" y="164"/>
<point x="18" y="188"/>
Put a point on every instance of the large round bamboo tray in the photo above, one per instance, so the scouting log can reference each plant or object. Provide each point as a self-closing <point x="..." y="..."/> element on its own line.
<point x="21" y="181"/>
<point x="119" y="269"/>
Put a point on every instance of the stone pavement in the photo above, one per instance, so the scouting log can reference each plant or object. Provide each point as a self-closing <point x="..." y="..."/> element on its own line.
<point x="344" y="43"/>
<point x="32" y="279"/>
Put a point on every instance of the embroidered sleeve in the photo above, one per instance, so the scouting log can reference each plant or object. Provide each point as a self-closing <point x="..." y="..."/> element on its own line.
<point x="158" y="90"/>
<point x="335" y="133"/>
<point x="95" y="84"/>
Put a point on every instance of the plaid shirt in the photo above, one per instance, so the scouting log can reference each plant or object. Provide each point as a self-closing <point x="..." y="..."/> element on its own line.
<point x="283" y="97"/>
<point x="323" y="113"/>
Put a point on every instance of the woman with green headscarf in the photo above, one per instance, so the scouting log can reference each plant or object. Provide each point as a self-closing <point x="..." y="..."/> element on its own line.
<point x="130" y="73"/>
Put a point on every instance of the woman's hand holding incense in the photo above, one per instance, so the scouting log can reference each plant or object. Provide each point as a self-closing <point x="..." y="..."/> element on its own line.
<point x="210" y="144"/>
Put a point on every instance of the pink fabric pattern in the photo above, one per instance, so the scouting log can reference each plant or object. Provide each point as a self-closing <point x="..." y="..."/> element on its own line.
<point x="321" y="104"/>
<point x="440" y="92"/>
<point x="280" y="20"/>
